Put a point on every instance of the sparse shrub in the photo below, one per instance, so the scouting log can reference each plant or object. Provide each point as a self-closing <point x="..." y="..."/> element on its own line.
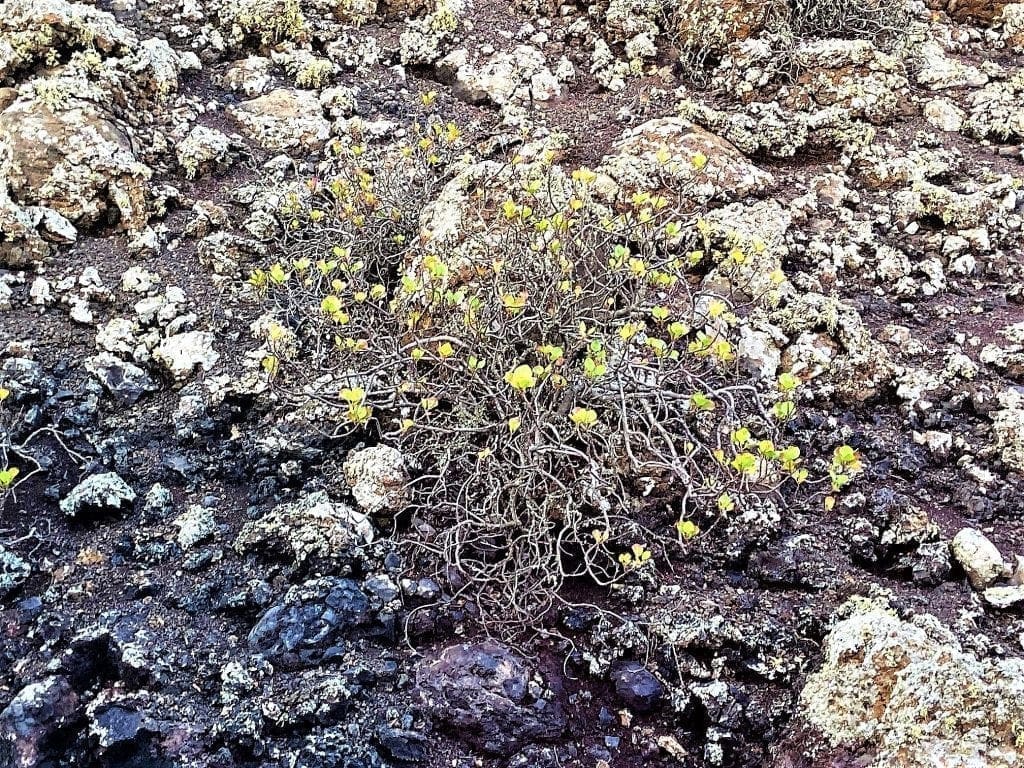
<point x="270" y="20"/>
<point x="568" y="392"/>
<point x="8" y="472"/>
<point x="314" y="73"/>
<point x="703" y="32"/>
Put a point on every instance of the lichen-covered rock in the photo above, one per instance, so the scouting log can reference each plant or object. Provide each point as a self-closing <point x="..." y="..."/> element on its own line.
<point x="398" y="9"/>
<point x="32" y="29"/>
<point x="713" y="26"/>
<point x="978" y="557"/>
<point x="759" y="232"/>
<point x="688" y="159"/>
<point x="427" y="38"/>
<point x="969" y="10"/>
<point x="850" y="74"/>
<point x="997" y="110"/>
<point x="194" y="525"/>
<point x="378" y="477"/>
<point x="98" y="494"/>
<point x="1008" y="426"/>
<point x="944" y="115"/>
<point x="269" y="21"/>
<point x="313" y="528"/>
<point x="25" y="231"/>
<point x="904" y="693"/>
<point x="14" y="571"/>
<point x="520" y="75"/>
<point x="283" y="119"/>
<point x="181" y="353"/>
<point x="937" y="71"/>
<point x="249" y="76"/>
<point x="202" y="150"/>
<point x="832" y="342"/>
<point x="34" y="716"/>
<point x="1013" y="27"/>
<point x="125" y="381"/>
<point x="74" y="160"/>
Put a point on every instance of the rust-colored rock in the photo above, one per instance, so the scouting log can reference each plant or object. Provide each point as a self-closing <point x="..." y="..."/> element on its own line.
<point x="970" y="10"/>
<point x="713" y="26"/>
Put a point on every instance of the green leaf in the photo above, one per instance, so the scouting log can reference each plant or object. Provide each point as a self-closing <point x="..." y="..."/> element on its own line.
<point x="7" y="477"/>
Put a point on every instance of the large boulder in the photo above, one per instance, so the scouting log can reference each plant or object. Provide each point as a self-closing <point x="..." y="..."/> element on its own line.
<point x="904" y="694"/>
<point x="675" y="152"/>
<point x="73" y="159"/>
<point x="33" y="29"/>
<point x="283" y="119"/>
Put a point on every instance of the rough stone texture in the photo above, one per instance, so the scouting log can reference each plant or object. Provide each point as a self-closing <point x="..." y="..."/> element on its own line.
<point x="125" y="381"/>
<point x="852" y="75"/>
<point x="489" y="698"/>
<point x="636" y="686"/>
<point x="969" y="10"/>
<point x="202" y="150"/>
<point x="312" y="621"/>
<point x="194" y="525"/>
<point x="29" y="29"/>
<point x="181" y="353"/>
<point x="33" y="717"/>
<point x="830" y="337"/>
<point x="713" y="26"/>
<point x="997" y="109"/>
<point x="98" y="494"/>
<point x="249" y="76"/>
<point x="377" y="477"/>
<point x="978" y="557"/>
<point x="906" y="694"/>
<point x="937" y="71"/>
<point x="521" y="75"/>
<point x="1008" y="425"/>
<point x="944" y="115"/>
<point x="313" y="528"/>
<point x="692" y="161"/>
<point x="74" y="161"/>
<point x="14" y="570"/>
<point x="283" y="119"/>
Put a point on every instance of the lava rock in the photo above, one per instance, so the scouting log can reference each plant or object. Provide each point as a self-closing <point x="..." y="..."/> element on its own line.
<point x="313" y="618"/>
<point x="14" y="571"/>
<point x="639" y="689"/>
<point x="489" y="698"/>
<point x="928" y="565"/>
<point x="98" y="494"/>
<point x="125" y="381"/>
<point x="34" y="716"/>
<point x="117" y="720"/>
<point x="402" y="745"/>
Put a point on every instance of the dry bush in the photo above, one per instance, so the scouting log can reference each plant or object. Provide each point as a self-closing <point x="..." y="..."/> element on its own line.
<point x="569" y="395"/>
<point x="703" y="32"/>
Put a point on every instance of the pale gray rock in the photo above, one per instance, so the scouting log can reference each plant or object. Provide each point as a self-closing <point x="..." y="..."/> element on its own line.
<point x="377" y="477"/>
<point x="979" y="558"/>
<point x="283" y="119"/>
<point x="98" y="494"/>
<point x="905" y="693"/>
<point x="195" y="525"/>
<point x="182" y="353"/>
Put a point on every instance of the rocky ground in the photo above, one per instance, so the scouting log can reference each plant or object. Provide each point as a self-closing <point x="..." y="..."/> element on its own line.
<point x="193" y="575"/>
